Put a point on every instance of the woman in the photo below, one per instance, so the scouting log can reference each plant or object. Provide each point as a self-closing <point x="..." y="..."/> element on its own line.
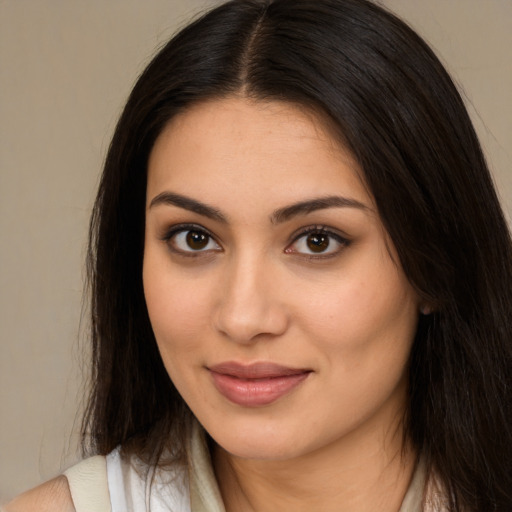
<point x="301" y="279"/>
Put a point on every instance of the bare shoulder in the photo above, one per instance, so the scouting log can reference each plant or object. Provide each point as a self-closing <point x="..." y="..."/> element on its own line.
<point x="52" y="496"/>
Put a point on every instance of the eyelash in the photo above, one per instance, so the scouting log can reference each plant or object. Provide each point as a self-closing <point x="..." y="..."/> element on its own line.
<point x="318" y="230"/>
<point x="184" y="228"/>
<point x="304" y="232"/>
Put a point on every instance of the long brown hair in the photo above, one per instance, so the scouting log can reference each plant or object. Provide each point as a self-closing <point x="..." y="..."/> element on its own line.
<point x="400" y="114"/>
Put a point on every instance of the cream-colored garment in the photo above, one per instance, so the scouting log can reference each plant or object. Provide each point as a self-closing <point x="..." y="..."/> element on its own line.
<point x="88" y="484"/>
<point x="92" y="491"/>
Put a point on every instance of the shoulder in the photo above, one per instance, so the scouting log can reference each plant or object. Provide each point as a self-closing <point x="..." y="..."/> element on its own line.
<point x="52" y="496"/>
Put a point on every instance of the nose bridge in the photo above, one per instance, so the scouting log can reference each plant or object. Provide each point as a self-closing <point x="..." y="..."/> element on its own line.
<point x="249" y="304"/>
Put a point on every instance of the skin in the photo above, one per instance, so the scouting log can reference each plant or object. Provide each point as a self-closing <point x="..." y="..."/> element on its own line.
<point x="257" y="292"/>
<point x="51" y="496"/>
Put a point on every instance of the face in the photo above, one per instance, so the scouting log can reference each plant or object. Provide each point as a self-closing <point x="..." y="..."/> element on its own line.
<point x="280" y="311"/>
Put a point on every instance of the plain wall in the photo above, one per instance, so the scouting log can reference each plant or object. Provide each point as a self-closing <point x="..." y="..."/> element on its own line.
<point x="66" y="68"/>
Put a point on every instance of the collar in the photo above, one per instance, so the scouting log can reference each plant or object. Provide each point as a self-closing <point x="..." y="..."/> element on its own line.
<point x="205" y="494"/>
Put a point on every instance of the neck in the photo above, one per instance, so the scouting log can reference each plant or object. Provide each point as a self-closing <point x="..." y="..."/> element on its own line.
<point x="366" y="471"/>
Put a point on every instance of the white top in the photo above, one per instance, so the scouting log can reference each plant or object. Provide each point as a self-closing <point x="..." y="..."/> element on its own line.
<point x="129" y="491"/>
<point x="112" y="484"/>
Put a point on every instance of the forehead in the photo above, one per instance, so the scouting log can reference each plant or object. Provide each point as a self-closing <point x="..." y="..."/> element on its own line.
<point x="254" y="147"/>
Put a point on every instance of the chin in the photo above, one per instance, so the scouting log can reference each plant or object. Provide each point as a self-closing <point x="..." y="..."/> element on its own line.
<point x="258" y="442"/>
<point x="260" y="451"/>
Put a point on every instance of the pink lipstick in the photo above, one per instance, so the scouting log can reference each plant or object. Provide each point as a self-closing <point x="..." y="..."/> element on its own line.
<point x="257" y="384"/>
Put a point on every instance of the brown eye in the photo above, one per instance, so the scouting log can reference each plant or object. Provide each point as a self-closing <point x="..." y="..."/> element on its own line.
<point x="191" y="242"/>
<point x="317" y="242"/>
<point x="197" y="240"/>
<point x="320" y="243"/>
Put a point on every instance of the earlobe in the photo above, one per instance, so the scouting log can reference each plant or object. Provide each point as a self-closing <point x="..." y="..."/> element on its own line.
<point x="426" y="309"/>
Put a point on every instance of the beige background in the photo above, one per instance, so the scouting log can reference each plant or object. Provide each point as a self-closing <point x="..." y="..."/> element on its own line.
<point x="65" y="69"/>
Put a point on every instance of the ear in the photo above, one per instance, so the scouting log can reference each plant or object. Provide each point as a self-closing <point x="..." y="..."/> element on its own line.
<point x="426" y="309"/>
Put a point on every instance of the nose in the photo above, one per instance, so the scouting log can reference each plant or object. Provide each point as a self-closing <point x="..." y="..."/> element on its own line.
<point x="250" y="305"/>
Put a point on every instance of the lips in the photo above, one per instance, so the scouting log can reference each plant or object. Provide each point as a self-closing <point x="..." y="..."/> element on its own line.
<point x="255" y="385"/>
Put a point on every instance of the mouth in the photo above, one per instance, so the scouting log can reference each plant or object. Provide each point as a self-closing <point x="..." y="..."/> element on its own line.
<point x="257" y="384"/>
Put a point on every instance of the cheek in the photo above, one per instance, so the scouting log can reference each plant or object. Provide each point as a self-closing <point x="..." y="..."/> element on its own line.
<point x="178" y="307"/>
<point x="370" y="314"/>
<point x="363" y="334"/>
<point x="178" y="312"/>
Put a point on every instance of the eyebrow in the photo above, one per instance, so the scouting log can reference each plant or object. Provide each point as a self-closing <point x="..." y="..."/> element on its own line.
<point x="189" y="204"/>
<point x="321" y="203"/>
<point x="278" y="216"/>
